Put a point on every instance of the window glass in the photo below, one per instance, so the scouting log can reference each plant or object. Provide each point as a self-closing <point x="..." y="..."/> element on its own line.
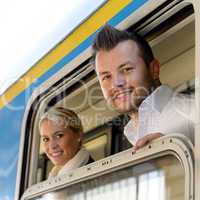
<point x="158" y="179"/>
<point x="97" y="147"/>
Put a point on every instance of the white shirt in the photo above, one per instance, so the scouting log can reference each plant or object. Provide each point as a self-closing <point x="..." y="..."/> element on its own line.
<point x="79" y="160"/>
<point x="164" y="111"/>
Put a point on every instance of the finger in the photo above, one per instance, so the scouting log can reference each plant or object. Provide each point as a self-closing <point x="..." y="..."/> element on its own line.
<point x="141" y="142"/>
<point x="134" y="149"/>
<point x="154" y="136"/>
<point x="146" y="139"/>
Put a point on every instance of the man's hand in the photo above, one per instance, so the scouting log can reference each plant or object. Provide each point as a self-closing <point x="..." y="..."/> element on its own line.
<point x="146" y="139"/>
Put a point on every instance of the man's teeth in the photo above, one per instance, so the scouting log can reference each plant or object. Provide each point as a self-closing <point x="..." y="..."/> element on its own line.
<point x="123" y="94"/>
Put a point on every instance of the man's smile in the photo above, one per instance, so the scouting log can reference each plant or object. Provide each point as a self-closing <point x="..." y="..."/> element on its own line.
<point x="122" y="95"/>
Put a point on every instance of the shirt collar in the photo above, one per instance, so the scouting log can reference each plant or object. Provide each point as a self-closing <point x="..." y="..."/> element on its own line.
<point x="79" y="160"/>
<point x="158" y="98"/>
<point x="130" y="131"/>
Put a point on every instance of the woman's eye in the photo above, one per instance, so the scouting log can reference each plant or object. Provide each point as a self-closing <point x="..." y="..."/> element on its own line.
<point x="59" y="135"/>
<point x="45" y="140"/>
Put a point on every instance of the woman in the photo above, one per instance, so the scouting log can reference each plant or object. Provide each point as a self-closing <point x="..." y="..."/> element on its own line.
<point x="62" y="133"/>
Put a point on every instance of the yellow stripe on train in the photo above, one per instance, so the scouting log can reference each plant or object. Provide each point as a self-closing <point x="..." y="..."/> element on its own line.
<point x="104" y="14"/>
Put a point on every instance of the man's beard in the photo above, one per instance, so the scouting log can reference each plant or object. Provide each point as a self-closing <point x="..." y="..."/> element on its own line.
<point x="128" y="109"/>
<point x="132" y="104"/>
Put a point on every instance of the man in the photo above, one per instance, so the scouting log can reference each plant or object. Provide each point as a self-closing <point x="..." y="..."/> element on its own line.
<point x="129" y="78"/>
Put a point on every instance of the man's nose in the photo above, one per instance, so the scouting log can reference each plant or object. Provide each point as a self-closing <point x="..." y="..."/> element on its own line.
<point x="118" y="81"/>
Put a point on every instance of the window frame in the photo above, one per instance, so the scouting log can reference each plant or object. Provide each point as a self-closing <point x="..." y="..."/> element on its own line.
<point x="176" y="145"/>
<point x="196" y="5"/>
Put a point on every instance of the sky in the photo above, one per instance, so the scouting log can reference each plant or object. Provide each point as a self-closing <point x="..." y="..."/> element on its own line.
<point x="30" y="28"/>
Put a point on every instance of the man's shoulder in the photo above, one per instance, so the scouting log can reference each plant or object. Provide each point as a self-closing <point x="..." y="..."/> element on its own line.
<point x="183" y="99"/>
<point x="181" y="104"/>
<point x="172" y="96"/>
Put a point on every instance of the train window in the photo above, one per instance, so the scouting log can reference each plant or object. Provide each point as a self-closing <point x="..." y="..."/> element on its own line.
<point x="85" y="96"/>
<point x="152" y="180"/>
<point x="98" y="147"/>
<point x="123" y="176"/>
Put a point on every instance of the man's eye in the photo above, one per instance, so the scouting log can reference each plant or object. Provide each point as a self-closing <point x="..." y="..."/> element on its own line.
<point x="45" y="140"/>
<point x="127" y="69"/>
<point x="106" y="77"/>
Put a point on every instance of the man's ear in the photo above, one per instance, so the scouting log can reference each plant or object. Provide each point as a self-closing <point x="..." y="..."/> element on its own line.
<point x="155" y="69"/>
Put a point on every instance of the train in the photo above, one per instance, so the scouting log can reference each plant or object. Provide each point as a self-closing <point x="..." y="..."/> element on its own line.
<point x="166" y="169"/>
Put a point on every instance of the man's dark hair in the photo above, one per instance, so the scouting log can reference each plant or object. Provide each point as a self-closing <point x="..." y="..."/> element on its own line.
<point x="108" y="38"/>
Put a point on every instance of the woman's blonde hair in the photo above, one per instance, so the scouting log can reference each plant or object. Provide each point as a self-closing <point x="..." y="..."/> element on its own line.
<point x="60" y="115"/>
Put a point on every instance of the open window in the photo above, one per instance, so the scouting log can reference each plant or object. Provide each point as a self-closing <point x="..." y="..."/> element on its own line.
<point x="170" y="29"/>
<point x="161" y="171"/>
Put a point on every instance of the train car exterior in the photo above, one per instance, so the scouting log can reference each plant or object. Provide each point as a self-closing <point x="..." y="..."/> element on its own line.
<point x="45" y="85"/>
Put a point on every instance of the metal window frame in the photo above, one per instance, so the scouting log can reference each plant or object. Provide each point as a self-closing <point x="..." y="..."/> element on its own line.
<point x="176" y="145"/>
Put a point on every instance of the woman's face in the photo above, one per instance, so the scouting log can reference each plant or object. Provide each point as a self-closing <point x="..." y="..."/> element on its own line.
<point x="60" y="143"/>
